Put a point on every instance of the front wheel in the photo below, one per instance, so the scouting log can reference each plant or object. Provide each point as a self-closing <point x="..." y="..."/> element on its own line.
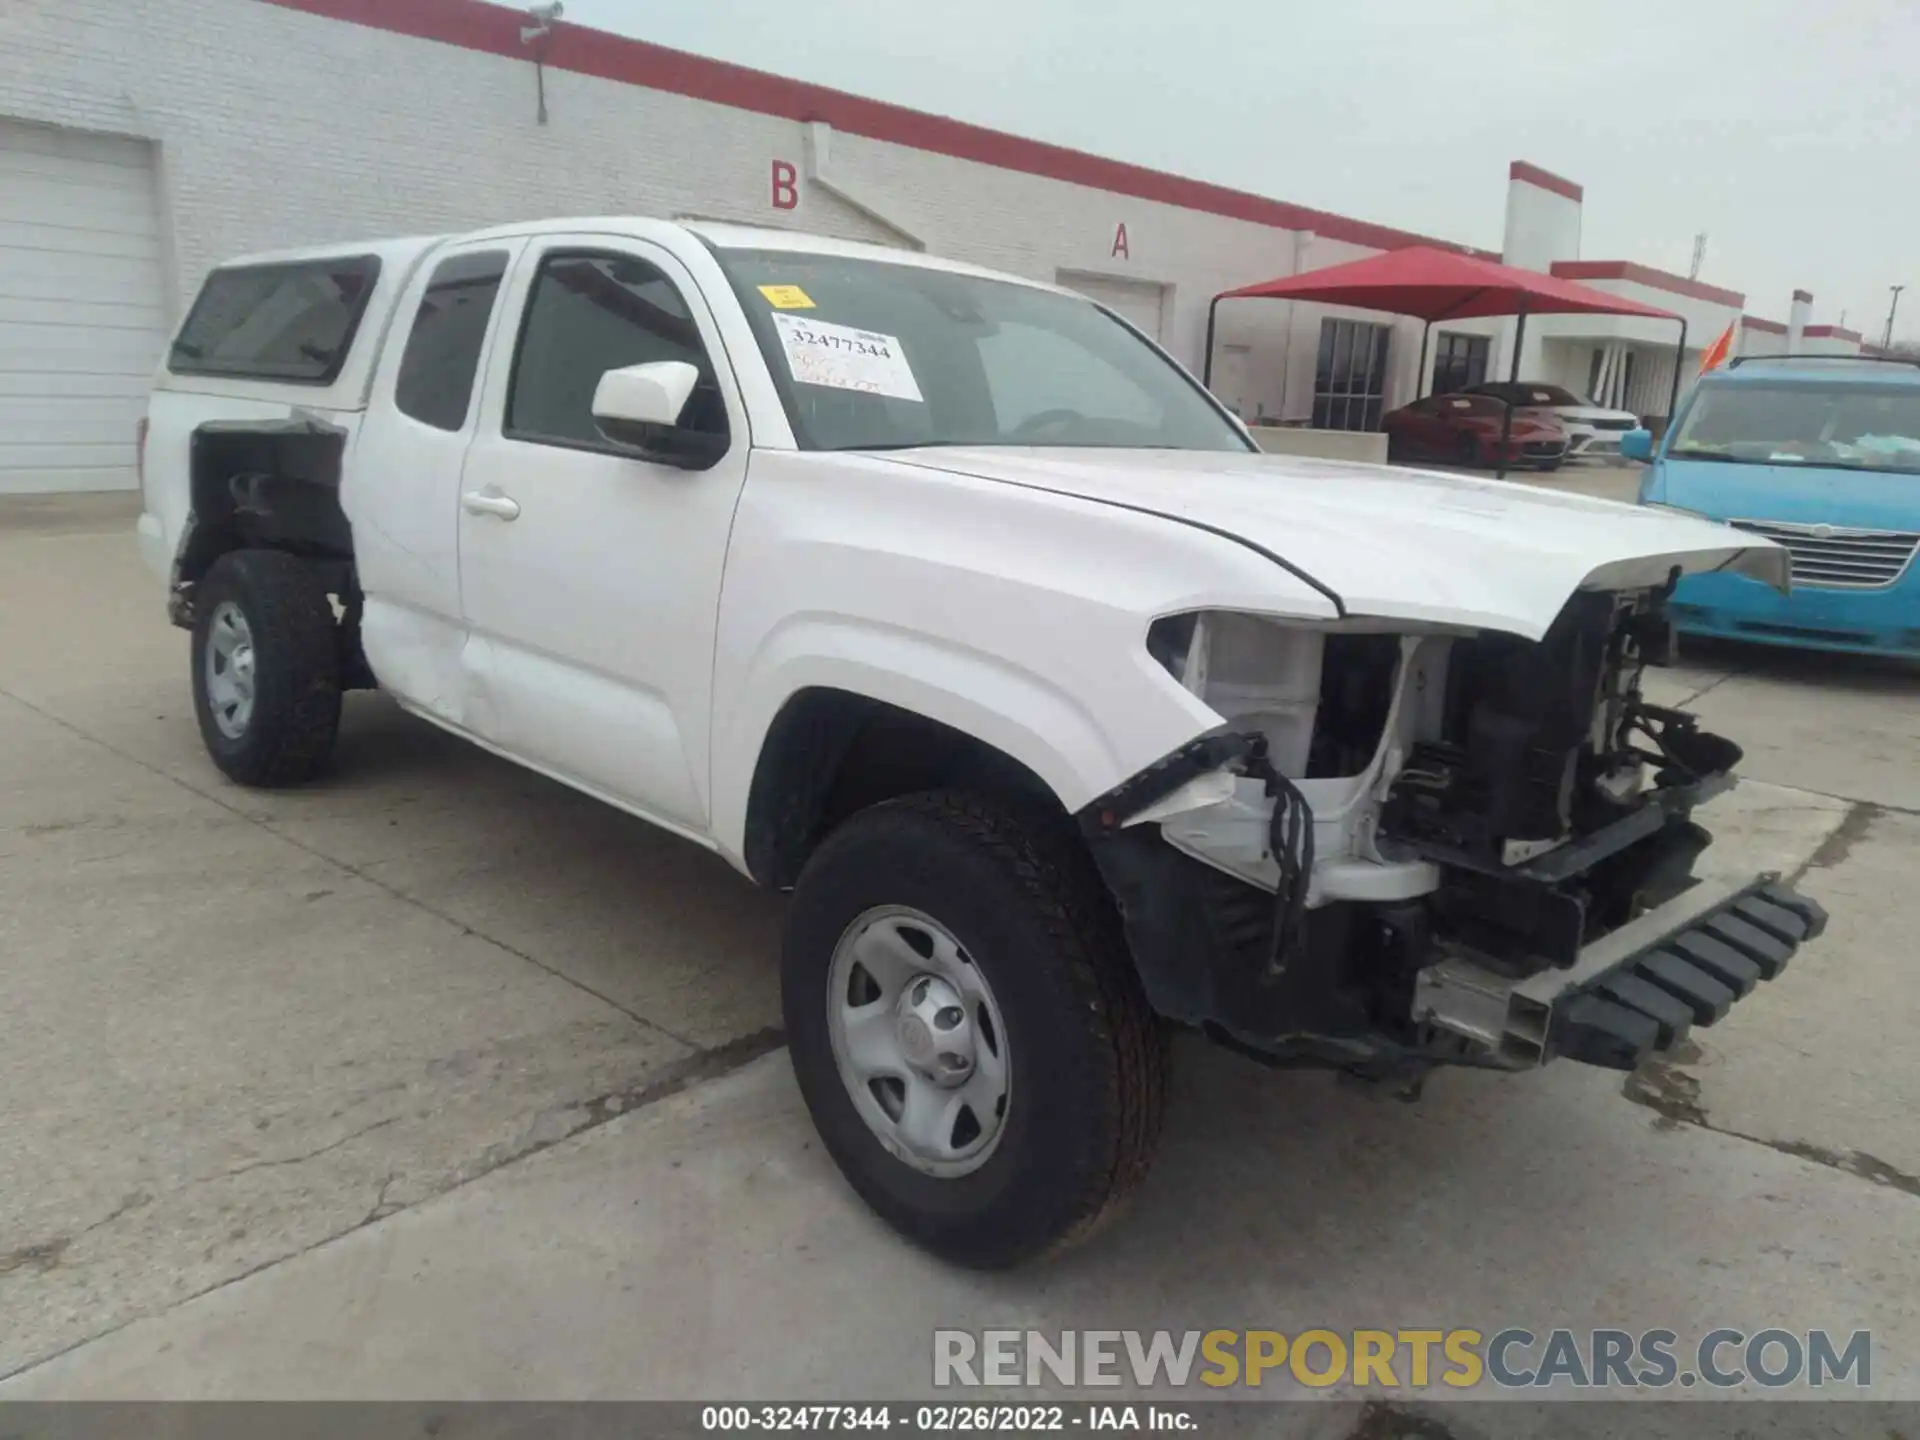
<point x="967" y="1028"/>
<point x="266" y="667"/>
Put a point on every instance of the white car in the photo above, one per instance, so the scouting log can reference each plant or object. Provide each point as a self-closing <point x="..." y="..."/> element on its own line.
<point x="1592" y="430"/>
<point x="949" y="602"/>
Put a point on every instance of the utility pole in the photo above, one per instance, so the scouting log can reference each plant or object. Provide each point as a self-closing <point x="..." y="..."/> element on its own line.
<point x="1887" y="343"/>
<point x="1699" y="254"/>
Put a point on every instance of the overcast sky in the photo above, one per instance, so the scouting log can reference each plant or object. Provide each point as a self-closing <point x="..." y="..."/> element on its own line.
<point x="1788" y="130"/>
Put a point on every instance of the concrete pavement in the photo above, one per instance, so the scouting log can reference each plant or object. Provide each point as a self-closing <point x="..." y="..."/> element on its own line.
<point x="706" y="1247"/>
<point x="238" y="1023"/>
<point x="437" y="1080"/>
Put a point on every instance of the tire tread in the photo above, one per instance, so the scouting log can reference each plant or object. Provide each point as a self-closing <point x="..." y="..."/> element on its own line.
<point x="1040" y="854"/>
<point x="297" y="690"/>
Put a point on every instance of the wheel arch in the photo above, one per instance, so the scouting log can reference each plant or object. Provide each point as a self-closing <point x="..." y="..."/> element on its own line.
<point x="830" y="752"/>
<point x="266" y="485"/>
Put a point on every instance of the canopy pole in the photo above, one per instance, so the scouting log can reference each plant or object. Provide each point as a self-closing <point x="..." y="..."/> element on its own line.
<point x="1420" y="375"/>
<point x="1679" y="359"/>
<point x="1206" y="361"/>
<point x="1513" y="378"/>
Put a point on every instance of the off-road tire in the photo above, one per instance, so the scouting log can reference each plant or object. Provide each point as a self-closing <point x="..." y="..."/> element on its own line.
<point x="296" y="707"/>
<point x="1088" y="1057"/>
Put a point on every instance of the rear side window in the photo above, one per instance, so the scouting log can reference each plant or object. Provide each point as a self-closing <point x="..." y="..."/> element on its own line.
<point x="292" y="323"/>
<point x="435" y="384"/>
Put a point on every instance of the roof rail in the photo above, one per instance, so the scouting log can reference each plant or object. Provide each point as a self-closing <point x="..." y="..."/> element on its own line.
<point x="1739" y="360"/>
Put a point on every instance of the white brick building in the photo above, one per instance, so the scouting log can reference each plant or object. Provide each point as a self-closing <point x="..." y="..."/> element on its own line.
<point x="141" y="141"/>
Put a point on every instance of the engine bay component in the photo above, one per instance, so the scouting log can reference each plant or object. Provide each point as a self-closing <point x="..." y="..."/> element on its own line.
<point x="1427" y="849"/>
<point x="1497" y="786"/>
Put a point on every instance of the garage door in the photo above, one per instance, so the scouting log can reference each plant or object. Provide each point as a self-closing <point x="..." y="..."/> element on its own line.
<point x="1136" y="300"/>
<point x="81" y="307"/>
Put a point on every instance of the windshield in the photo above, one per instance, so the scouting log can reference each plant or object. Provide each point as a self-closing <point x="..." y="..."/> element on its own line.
<point x="1848" y="426"/>
<point x="869" y="355"/>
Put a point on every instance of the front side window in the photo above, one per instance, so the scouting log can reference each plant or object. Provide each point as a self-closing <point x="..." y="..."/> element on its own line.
<point x="290" y="322"/>
<point x="1843" y="426"/>
<point x="869" y="354"/>
<point x="435" y="383"/>
<point x="588" y="314"/>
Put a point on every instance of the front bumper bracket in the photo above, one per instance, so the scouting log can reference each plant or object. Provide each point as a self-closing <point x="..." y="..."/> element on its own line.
<point x="1637" y="990"/>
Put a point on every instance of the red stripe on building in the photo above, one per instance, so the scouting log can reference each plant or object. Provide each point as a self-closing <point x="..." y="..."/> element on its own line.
<point x="474" y="25"/>
<point x="1754" y="322"/>
<point x="1830" y="332"/>
<point x="1645" y="275"/>
<point x="1544" y="179"/>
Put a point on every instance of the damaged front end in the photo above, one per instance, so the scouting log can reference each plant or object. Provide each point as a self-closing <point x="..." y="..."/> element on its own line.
<point x="1406" y="850"/>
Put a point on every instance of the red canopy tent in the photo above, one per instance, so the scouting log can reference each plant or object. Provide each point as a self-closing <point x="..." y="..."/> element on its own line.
<point x="1434" y="284"/>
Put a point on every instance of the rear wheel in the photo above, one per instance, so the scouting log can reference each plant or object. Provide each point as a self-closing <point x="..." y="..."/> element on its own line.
<point x="266" y="668"/>
<point x="967" y="1028"/>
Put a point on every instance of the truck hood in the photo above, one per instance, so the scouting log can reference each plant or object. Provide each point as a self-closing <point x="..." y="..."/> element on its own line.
<point x="1390" y="542"/>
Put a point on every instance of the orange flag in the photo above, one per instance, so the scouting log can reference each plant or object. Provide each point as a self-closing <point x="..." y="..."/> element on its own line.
<point x="1717" y="353"/>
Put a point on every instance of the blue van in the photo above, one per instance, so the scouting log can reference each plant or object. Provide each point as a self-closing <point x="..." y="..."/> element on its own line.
<point x="1821" y="454"/>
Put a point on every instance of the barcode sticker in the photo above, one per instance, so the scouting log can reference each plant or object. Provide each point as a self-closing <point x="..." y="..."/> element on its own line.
<point x="843" y="358"/>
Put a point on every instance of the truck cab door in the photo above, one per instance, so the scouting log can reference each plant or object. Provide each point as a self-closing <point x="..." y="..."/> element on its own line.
<point x="590" y="578"/>
<point x="402" y="485"/>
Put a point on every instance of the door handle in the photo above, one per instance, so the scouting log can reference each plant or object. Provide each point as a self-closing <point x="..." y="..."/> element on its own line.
<point x="478" y="502"/>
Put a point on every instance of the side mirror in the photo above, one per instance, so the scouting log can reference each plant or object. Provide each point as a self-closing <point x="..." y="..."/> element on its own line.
<point x="638" y="408"/>
<point x="1637" y="444"/>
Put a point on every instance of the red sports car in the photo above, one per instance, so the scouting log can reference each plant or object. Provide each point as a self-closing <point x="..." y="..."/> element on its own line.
<point x="1465" y="429"/>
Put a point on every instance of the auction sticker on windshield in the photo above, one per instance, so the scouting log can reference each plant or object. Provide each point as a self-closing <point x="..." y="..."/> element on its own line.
<point x="843" y="358"/>
<point x="787" y="297"/>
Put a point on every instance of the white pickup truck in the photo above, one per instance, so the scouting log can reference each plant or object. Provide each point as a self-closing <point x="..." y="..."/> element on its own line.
<point x="947" y="601"/>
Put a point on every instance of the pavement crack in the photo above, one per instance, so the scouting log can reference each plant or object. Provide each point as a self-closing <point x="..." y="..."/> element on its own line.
<point x="550" y="1127"/>
<point x="43" y="1255"/>
<point x="262" y="823"/>
<point x="1846" y="801"/>
<point x="1713" y="685"/>
<point x="672" y="1079"/>
<point x="1853" y="1162"/>
<point x="308" y="1155"/>
<point x="380" y="1209"/>
<point x="1854" y="827"/>
<point x="1673" y="1093"/>
<point x="132" y="1201"/>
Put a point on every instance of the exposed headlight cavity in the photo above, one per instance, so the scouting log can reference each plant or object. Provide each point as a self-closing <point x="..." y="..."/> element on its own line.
<point x="1256" y="674"/>
<point x="1320" y="697"/>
